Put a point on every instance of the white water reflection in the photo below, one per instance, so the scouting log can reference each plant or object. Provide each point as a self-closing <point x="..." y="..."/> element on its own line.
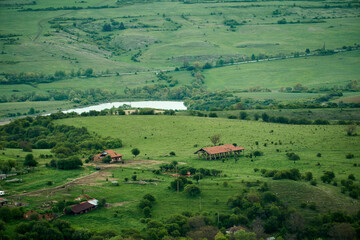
<point x="164" y="105"/>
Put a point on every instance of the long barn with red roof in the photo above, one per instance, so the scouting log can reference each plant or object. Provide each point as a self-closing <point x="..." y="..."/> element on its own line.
<point x="217" y="152"/>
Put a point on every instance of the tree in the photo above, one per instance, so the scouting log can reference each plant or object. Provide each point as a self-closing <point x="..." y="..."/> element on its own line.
<point x="88" y="72"/>
<point x="147" y="212"/>
<point x="215" y="139"/>
<point x="149" y="197"/>
<point x="243" y="115"/>
<point x="106" y="159"/>
<point x="242" y="235"/>
<point x="351" y="130"/>
<point x="192" y="190"/>
<point x="135" y="152"/>
<point x="327" y="177"/>
<point x="265" y="117"/>
<point x="122" y="26"/>
<point x="106" y="27"/>
<point x="30" y="161"/>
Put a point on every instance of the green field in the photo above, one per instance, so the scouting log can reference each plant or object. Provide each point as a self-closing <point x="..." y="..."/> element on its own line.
<point x="156" y="136"/>
<point x="217" y="55"/>
<point x="161" y="35"/>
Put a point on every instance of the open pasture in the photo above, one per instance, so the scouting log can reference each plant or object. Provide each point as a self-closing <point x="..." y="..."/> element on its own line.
<point x="166" y="33"/>
<point x="313" y="72"/>
<point x="156" y="136"/>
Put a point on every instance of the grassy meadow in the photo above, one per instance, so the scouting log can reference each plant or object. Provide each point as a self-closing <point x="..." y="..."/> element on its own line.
<point x="266" y="44"/>
<point x="157" y="136"/>
<point x="165" y="35"/>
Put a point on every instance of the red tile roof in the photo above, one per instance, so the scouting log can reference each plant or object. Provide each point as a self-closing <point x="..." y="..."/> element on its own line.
<point x="221" y="149"/>
<point x="113" y="154"/>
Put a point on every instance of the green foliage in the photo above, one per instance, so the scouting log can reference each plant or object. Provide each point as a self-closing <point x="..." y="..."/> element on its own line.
<point x="30" y="161"/>
<point x="192" y="190"/>
<point x="106" y="159"/>
<point x="327" y="177"/>
<point x="69" y="163"/>
<point x="292" y="156"/>
<point x="135" y="151"/>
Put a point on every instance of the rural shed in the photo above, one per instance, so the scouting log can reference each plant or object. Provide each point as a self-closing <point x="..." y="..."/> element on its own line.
<point x="218" y="152"/>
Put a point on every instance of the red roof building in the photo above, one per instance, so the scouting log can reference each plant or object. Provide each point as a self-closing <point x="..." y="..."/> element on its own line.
<point x="217" y="152"/>
<point x="84" y="207"/>
<point x="115" y="157"/>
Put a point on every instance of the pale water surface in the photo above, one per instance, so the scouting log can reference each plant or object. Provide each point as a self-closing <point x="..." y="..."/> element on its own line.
<point x="164" y="105"/>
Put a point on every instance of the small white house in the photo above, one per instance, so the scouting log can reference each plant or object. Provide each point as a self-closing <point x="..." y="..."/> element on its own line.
<point x="2" y="193"/>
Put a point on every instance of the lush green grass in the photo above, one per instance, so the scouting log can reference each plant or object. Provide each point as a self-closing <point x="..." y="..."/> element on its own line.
<point x="24" y="107"/>
<point x="181" y="134"/>
<point x="338" y="69"/>
<point x="201" y="37"/>
<point x="330" y="114"/>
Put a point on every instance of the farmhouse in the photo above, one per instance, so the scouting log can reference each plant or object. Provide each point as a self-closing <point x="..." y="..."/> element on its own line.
<point x="115" y="157"/>
<point x="84" y="207"/>
<point x="217" y="152"/>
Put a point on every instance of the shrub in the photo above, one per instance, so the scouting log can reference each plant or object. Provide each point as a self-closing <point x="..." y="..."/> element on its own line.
<point x="192" y="190"/>
<point x="351" y="177"/>
<point x="172" y="153"/>
<point x="327" y="177"/>
<point x="258" y="153"/>
<point x="308" y="176"/>
<point x="149" y="197"/>
<point x="213" y="115"/>
<point x="318" y="155"/>
<point x="312" y="206"/>
<point x="349" y="156"/>
<point x="313" y="182"/>
<point x="293" y="156"/>
<point x="30" y="161"/>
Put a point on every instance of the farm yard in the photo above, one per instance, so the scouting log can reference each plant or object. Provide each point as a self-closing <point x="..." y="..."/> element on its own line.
<point x="272" y="96"/>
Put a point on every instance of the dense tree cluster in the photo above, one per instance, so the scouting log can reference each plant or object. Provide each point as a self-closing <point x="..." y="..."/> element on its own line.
<point x="42" y="133"/>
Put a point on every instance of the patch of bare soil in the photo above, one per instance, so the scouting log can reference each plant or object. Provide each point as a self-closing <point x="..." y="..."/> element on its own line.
<point x="119" y="204"/>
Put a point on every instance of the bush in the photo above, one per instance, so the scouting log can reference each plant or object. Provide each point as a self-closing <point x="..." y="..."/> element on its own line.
<point x="308" y="176"/>
<point x="312" y="206"/>
<point x="172" y="153"/>
<point x="192" y="190"/>
<point x="327" y="177"/>
<point x="292" y="156"/>
<point x="70" y="163"/>
<point x="149" y="197"/>
<point x="258" y="153"/>
<point x="213" y="115"/>
<point x="30" y="161"/>
<point x="351" y="177"/>
<point x="313" y="182"/>
<point x="350" y="156"/>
